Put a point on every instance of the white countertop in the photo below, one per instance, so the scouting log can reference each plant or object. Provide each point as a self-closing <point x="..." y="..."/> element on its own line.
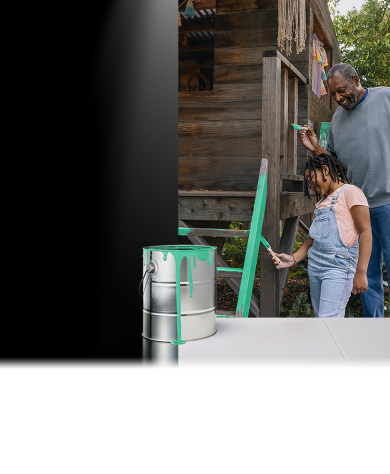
<point x="347" y="342"/>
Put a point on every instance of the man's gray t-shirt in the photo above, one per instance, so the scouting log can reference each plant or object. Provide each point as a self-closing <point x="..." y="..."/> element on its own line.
<point x="360" y="138"/>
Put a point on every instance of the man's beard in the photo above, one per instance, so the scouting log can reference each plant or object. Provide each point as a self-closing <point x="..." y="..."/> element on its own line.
<point x="352" y="102"/>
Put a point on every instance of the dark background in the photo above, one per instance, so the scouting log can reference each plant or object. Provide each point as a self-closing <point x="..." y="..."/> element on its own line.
<point x="133" y="162"/>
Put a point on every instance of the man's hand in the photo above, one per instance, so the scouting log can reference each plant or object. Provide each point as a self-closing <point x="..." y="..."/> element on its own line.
<point x="360" y="283"/>
<point x="309" y="139"/>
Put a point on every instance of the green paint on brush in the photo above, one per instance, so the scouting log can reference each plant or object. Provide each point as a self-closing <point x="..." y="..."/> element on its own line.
<point x="298" y="127"/>
<point x="179" y="252"/>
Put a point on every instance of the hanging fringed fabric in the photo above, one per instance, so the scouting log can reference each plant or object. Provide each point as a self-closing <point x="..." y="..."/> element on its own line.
<point x="323" y="52"/>
<point x="291" y="25"/>
<point x="179" y="20"/>
<point x="189" y="10"/>
<point x="320" y="60"/>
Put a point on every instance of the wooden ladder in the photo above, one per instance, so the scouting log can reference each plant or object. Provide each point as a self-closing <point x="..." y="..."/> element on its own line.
<point x="240" y="279"/>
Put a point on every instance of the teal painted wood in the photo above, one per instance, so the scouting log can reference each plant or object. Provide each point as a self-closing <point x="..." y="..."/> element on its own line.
<point x="227" y="269"/>
<point x="252" y="250"/>
<point x="323" y="134"/>
<point x="254" y="239"/>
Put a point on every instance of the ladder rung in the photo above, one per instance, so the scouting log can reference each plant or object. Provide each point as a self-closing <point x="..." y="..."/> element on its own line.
<point x="226" y="272"/>
<point x="228" y="233"/>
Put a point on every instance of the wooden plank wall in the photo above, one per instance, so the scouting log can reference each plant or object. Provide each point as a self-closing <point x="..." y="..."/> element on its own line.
<point x="220" y="130"/>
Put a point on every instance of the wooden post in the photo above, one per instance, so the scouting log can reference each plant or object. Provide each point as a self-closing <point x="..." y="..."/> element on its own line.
<point x="269" y="286"/>
<point x="286" y="246"/>
<point x="284" y="122"/>
<point x="292" y="118"/>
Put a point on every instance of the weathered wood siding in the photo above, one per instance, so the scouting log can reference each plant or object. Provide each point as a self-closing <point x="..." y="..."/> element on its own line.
<point x="220" y="131"/>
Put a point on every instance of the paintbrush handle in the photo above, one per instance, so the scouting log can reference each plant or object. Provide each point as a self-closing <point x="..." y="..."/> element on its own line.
<point x="273" y="254"/>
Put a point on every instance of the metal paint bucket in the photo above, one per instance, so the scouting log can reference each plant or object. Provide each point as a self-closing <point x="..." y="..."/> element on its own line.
<point x="198" y="319"/>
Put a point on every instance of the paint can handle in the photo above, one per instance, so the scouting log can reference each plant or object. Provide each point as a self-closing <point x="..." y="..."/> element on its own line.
<point x="151" y="269"/>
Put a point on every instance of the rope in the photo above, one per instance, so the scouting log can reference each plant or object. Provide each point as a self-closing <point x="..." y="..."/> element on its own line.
<point x="291" y="25"/>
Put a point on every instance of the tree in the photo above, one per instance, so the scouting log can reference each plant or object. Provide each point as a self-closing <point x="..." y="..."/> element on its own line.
<point x="364" y="40"/>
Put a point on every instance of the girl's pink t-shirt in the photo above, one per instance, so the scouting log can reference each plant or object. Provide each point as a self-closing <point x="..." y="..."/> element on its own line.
<point x="349" y="196"/>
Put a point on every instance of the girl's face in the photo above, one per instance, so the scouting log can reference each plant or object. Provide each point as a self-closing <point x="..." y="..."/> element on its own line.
<point x="315" y="180"/>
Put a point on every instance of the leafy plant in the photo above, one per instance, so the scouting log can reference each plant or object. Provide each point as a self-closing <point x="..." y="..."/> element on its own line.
<point x="299" y="309"/>
<point x="354" y="306"/>
<point x="235" y="248"/>
<point x="364" y="40"/>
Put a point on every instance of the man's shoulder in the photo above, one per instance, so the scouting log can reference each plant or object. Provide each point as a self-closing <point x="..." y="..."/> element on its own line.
<point x="379" y="91"/>
<point x="337" y="114"/>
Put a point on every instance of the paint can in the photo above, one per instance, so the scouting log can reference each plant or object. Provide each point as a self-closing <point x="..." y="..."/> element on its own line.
<point x="179" y="293"/>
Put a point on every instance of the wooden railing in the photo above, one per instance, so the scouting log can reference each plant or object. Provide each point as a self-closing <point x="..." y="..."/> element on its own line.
<point x="279" y="146"/>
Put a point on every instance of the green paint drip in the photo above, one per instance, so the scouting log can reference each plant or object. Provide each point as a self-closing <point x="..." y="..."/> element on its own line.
<point x="179" y="252"/>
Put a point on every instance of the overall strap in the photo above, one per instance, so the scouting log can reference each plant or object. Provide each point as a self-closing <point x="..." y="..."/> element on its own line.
<point x="334" y="198"/>
<point x="320" y="201"/>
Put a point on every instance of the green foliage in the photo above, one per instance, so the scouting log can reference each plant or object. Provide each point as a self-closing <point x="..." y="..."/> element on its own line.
<point x="364" y="40"/>
<point x="300" y="309"/>
<point x="354" y="306"/>
<point x="235" y="248"/>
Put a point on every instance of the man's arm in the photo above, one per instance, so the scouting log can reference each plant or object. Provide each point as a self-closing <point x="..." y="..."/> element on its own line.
<point x="310" y="141"/>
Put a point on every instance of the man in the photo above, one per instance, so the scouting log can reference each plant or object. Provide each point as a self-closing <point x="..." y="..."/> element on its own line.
<point x="359" y="136"/>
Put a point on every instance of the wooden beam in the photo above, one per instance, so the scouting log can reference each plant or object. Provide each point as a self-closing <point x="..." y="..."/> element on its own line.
<point x="269" y="288"/>
<point x="295" y="204"/>
<point x="226" y="274"/>
<point x="204" y="46"/>
<point x="183" y="40"/>
<point x="292" y="177"/>
<point x="304" y="226"/>
<point x="207" y="232"/>
<point x="284" y="122"/>
<point x="234" y="283"/>
<point x="293" y="71"/>
<point x="292" y="118"/>
<point x="237" y="206"/>
<point x="206" y="5"/>
<point x="197" y="26"/>
<point x="286" y="246"/>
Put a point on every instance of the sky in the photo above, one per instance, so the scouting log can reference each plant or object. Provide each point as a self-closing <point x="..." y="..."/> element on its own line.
<point x="346" y="5"/>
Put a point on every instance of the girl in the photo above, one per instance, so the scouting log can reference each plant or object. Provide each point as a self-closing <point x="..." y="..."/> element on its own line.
<point x="339" y="245"/>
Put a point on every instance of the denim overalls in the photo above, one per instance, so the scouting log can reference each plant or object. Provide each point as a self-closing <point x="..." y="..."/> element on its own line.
<point x="331" y="264"/>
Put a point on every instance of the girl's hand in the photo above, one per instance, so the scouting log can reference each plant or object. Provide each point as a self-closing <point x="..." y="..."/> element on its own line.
<point x="360" y="283"/>
<point x="286" y="260"/>
<point x="309" y="138"/>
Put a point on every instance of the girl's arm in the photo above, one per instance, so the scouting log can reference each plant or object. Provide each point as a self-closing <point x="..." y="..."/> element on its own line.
<point x="300" y="254"/>
<point x="361" y="217"/>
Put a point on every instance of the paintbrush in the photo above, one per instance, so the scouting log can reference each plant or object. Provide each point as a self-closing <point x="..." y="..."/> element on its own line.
<point x="299" y="127"/>
<point x="268" y="248"/>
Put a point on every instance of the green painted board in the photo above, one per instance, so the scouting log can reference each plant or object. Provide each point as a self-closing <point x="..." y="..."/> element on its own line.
<point x="323" y="134"/>
<point x="252" y="250"/>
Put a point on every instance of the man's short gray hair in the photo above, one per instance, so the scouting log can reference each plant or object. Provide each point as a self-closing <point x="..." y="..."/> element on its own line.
<point x="344" y="69"/>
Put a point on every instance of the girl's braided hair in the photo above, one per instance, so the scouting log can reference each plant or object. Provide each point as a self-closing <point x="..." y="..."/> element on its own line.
<point x="336" y="170"/>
